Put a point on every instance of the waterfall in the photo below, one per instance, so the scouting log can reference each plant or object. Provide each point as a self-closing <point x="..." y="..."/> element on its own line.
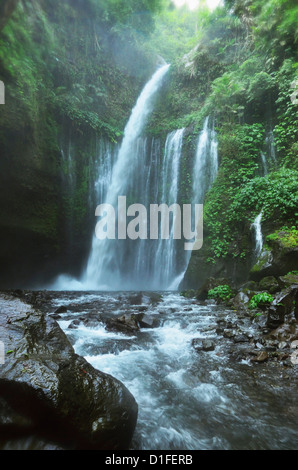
<point x="264" y="164"/>
<point x="145" y="172"/>
<point x="165" y="266"/>
<point x="270" y="146"/>
<point x="204" y="173"/>
<point x="143" y="263"/>
<point x="268" y="154"/>
<point x="206" y="162"/>
<point x="107" y="257"/>
<point x="258" y="234"/>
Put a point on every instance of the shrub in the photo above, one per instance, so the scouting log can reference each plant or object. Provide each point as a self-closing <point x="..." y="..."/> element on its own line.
<point x="223" y="293"/>
<point x="260" y="300"/>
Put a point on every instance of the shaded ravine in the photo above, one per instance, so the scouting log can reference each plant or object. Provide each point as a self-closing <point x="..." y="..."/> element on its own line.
<point x="187" y="399"/>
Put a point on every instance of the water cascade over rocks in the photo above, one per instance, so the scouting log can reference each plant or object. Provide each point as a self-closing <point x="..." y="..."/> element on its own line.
<point x="145" y="171"/>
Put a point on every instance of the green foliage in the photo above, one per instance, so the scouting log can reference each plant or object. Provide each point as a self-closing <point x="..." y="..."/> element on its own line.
<point x="276" y="195"/>
<point x="238" y="196"/>
<point x="175" y="33"/>
<point x="260" y="300"/>
<point x="279" y="16"/>
<point x="286" y="129"/>
<point x="233" y="93"/>
<point x="223" y="293"/>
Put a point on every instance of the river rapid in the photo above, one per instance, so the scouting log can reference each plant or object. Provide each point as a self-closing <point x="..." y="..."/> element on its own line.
<point x="188" y="400"/>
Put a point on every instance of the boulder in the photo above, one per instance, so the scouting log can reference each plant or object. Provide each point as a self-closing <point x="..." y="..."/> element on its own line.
<point x="261" y="357"/>
<point x="241" y="301"/>
<point x="203" y="345"/>
<point x="148" y="321"/>
<point x="47" y="390"/>
<point x="284" y="304"/>
<point x="269" y="284"/>
<point x="288" y="280"/>
<point x="61" y="309"/>
<point x="240" y="338"/>
<point x="128" y="324"/>
<point x="280" y="259"/>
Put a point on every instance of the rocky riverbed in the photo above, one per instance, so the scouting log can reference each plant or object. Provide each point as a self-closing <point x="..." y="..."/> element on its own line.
<point x="205" y="375"/>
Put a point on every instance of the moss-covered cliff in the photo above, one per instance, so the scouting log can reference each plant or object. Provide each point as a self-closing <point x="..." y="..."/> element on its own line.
<point x="243" y="76"/>
<point x="72" y="72"/>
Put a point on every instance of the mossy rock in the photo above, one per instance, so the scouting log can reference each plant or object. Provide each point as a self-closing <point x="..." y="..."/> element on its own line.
<point x="269" y="284"/>
<point x="288" y="280"/>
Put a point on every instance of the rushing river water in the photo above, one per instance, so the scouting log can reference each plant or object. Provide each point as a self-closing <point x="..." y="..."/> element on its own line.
<point x="187" y="400"/>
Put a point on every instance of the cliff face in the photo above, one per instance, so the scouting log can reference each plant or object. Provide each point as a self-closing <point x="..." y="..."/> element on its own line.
<point x="69" y="81"/>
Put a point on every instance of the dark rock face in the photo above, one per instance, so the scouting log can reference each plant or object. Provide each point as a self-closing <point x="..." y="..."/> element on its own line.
<point x="49" y="391"/>
<point x="283" y="305"/>
<point x="280" y="260"/>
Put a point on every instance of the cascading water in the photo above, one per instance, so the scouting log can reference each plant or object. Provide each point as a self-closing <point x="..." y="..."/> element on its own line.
<point x="268" y="154"/>
<point x="146" y="173"/>
<point x="264" y="164"/>
<point x="257" y="226"/>
<point x="165" y="267"/>
<point x="206" y="162"/>
<point x="204" y="173"/>
<point x="270" y="146"/>
<point x="106" y="257"/>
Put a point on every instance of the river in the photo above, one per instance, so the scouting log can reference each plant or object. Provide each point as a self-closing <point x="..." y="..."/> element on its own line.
<point x="188" y="400"/>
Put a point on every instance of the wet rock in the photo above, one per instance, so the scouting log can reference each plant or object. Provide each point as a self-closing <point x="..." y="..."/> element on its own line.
<point x="152" y="298"/>
<point x="54" y="393"/>
<point x="61" y="309"/>
<point x="269" y="284"/>
<point x="261" y="357"/>
<point x="203" y="345"/>
<point x="280" y="259"/>
<point x="91" y="320"/>
<point x="240" y="339"/>
<point x="56" y="316"/>
<point x="142" y="308"/>
<point x="283" y="304"/>
<point x="148" y="321"/>
<point x="240" y="301"/>
<point x="74" y="324"/>
<point x="135" y="299"/>
<point x="127" y="324"/>
<point x="229" y="333"/>
<point x="289" y="280"/>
